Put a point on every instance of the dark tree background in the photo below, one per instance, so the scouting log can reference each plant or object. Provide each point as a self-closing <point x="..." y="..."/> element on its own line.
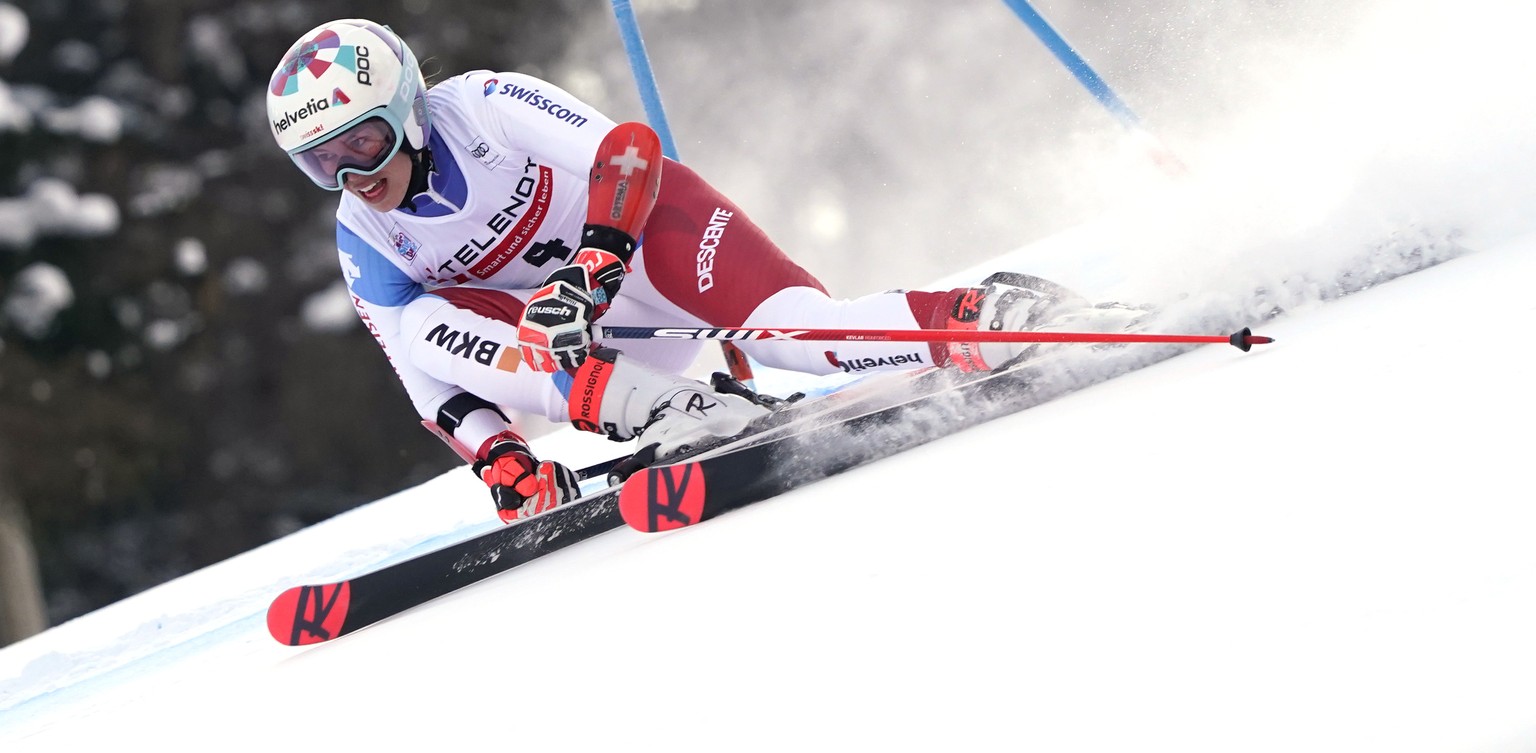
<point x="181" y="410"/>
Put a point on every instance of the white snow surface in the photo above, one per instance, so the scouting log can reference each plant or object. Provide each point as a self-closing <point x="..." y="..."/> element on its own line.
<point x="1321" y="545"/>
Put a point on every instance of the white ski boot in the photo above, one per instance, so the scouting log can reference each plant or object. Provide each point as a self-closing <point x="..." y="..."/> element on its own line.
<point x="1025" y="303"/>
<point x="617" y="396"/>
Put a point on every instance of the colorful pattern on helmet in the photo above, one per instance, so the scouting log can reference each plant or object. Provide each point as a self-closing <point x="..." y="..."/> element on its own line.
<point x="315" y="56"/>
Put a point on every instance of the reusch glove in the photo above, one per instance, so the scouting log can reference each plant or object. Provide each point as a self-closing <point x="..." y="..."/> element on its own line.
<point x="555" y="332"/>
<point x="605" y="273"/>
<point x="521" y="486"/>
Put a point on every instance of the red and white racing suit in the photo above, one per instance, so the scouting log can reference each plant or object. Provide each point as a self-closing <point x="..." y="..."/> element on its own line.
<point x="441" y="283"/>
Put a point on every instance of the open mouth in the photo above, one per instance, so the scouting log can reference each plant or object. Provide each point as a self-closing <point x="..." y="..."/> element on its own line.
<point x="371" y="191"/>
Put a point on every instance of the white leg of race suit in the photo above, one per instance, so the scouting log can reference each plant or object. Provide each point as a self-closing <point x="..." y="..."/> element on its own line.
<point x="810" y="308"/>
<point x="796" y="306"/>
<point x="479" y="353"/>
<point x="461" y="347"/>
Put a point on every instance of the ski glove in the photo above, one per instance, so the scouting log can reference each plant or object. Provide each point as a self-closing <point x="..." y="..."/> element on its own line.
<point x="555" y="332"/>
<point x="521" y="486"/>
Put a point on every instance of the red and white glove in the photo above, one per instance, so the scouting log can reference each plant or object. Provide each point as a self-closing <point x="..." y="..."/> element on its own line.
<point x="520" y="485"/>
<point x="555" y="332"/>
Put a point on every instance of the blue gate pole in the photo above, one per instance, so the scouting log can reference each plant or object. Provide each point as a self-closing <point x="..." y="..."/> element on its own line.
<point x="1085" y="75"/>
<point x="634" y="45"/>
<point x="645" y="79"/>
<point x="1074" y="62"/>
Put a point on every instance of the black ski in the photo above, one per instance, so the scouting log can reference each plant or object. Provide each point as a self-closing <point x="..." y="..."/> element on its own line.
<point x="814" y="439"/>
<point x="317" y="613"/>
<point x="673" y="495"/>
<point x="309" y="614"/>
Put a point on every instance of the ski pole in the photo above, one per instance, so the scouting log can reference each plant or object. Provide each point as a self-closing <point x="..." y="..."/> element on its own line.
<point x="1243" y="339"/>
<point x="600" y="468"/>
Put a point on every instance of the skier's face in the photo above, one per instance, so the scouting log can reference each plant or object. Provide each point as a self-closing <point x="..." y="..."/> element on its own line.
<point x="385" y="189"/>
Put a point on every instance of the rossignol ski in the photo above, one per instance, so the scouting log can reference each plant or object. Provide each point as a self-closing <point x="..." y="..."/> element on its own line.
<point x="315" y="613"/>
<point x="672" y="495"/>
<point x="806" y="441"/>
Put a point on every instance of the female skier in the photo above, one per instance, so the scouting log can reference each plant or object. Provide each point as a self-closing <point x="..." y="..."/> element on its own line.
<point x="486" y="223"/>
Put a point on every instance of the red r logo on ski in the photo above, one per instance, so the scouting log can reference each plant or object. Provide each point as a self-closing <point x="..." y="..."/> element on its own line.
<point x="309" y="614"/>
<point x="661" y="499"/>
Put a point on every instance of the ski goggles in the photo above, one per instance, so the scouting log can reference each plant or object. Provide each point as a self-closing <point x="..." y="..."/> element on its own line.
<point x="363" y="148"/>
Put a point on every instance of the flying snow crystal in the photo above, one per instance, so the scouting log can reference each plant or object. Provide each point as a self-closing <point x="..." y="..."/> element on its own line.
<point x="13" y="32"/>
<point x="37" y="296"/>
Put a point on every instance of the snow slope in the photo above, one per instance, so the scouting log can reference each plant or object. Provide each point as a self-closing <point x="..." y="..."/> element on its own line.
<point x="1323" y="545"/>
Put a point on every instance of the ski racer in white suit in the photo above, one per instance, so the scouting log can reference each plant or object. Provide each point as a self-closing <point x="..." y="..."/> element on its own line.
<point x="486" y="223"/>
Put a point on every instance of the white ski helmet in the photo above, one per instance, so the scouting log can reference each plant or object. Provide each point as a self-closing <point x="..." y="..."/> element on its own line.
<point x="348" y="76"/>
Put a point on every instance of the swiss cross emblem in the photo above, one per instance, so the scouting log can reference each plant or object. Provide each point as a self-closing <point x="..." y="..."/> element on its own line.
<point x="629" y="161"/>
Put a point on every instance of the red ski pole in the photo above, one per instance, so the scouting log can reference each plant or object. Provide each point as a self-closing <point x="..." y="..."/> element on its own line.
<point x="1243" y="339"/>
